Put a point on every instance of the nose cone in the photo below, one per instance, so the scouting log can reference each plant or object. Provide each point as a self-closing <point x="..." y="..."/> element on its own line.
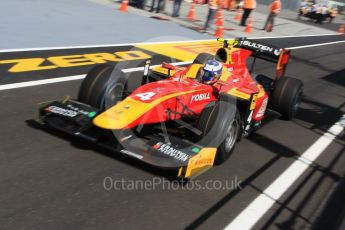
<point x="121" y="115"/>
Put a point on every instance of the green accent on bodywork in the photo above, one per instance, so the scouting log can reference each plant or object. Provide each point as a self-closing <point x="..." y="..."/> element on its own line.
<point x="195" y="149"/>
<point x="91" y="114"/>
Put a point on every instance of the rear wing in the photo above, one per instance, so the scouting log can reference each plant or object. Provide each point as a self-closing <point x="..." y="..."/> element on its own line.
<point x="263" y="51"/>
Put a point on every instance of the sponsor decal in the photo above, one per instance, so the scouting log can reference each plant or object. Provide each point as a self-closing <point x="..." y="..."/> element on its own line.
<point x="202" y="162"/>
<point x="61" y="111"/>
<point x="200" y="97"/>
<point x="266" y="48"/>
<point x="80" y="111"/>
<point x="262" y="109"/>
<point x="36" y="64"/>
<point x="70" y="111"/>
<point x="277" y="52"/>
<point x="171" y="151"/>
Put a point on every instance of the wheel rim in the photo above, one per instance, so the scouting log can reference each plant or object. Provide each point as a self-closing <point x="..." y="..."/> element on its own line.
<point x="116" y="93"/>
<point x="113" y="95"/>
<point x="231" y="136"/>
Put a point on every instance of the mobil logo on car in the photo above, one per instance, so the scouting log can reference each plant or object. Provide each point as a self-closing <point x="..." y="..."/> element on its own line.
<point x="200" y="97"/>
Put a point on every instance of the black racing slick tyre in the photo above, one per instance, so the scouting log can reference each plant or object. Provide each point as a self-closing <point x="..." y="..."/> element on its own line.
<point x="202" y="58"/>
<point x="102" y="87"/>
<point x="220" y="126"/>
<point x="287" y="96"/>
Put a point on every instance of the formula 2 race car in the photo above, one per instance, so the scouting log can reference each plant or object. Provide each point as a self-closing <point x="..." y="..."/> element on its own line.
<point x="174" y="120"/>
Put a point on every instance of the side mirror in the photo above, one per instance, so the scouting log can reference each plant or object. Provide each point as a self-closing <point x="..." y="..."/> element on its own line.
<point x="146" y="71"/>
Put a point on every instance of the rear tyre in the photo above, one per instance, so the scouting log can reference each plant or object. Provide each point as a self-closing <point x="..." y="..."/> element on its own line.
<point x="220" y="126"/>
<point x="202" y="58"/>
<point x="102" y="87"/>
<point x="287" y="97"/>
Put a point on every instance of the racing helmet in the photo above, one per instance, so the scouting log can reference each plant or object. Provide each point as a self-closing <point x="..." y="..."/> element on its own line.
<point x="212" y="71"/>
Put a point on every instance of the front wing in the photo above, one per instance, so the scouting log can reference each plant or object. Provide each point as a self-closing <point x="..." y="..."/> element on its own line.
<point x="166" y="152"/>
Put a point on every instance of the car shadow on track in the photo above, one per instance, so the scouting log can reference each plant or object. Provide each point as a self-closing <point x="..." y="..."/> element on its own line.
<point x="315" y="115"/>
<point x="305" y="192"/>
<point x="321" y="116"/>
<point x="314" y="64"/>
<point x="336" y="78"/>
<point x="275" y="147"/>
<point x="85" y="145"/>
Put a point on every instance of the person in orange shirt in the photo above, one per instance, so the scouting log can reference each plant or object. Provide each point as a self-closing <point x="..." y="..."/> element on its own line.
<point x="231" y="5"/>
<point x="248" y="6"/>
<point x="213" y="6"/>
<point x="274" y="8"/>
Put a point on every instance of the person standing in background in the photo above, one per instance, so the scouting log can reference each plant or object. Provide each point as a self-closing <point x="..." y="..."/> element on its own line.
<point x="333" y="13"/>
<point x="274" y="8"/>
<point x="213" y="6"/>
<point x="176" y="9"/>
<point x="159" y="3"/>
<point x="231" y="5"/>
<point x="248" y="6"/>
<point x="140" y="4"/>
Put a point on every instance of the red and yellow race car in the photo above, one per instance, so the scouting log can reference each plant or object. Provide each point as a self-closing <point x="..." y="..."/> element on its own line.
<point x="182" y="118"/>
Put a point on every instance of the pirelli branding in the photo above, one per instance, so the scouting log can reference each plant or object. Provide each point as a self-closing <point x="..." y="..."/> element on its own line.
<point x="53" y="62"/>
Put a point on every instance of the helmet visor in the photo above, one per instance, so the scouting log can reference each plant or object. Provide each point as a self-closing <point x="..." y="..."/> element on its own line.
<point x="208" y="76"/>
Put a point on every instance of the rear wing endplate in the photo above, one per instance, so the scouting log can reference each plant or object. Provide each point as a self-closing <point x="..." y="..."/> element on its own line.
<point x="266" y="52"/>
<point x="263" y="51"/>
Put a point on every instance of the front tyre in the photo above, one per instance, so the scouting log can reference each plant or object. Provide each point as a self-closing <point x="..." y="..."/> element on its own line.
<point x="102" y="87"/>
<point x="220" y="126"/>
<point x="227" y="147"/>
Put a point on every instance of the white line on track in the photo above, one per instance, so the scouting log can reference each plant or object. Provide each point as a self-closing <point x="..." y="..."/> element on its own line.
<point x="259" y="207"/>
<point x="78" y="77"/>
<point x="153" y="66"/>
<point x="41" y="82"/>
<point x="320" y="44"/>
<point x="144" y="43"/>
<point x="295" y="36"/>
<point x="70" y="78"/>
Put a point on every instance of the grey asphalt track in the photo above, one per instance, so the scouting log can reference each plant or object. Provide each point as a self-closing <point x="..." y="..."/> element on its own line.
<point x="51" y="182"/>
